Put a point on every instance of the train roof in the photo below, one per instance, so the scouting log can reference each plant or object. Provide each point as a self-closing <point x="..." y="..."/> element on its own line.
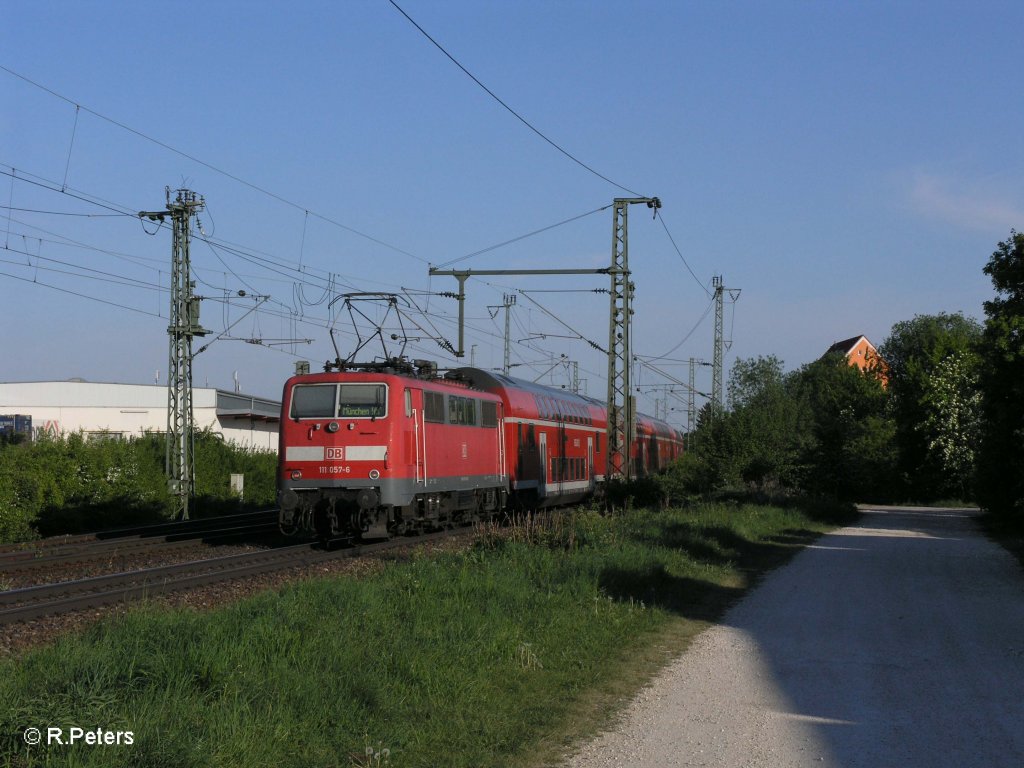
<point x="491" y="380"/>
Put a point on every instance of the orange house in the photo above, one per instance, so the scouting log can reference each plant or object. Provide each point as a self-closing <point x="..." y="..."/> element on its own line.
<point x="862" y="353"/>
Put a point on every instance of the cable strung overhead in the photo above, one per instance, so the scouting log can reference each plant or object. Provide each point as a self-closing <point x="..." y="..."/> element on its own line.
<point x="515" y="114"/>
<point x="210" y="166"/>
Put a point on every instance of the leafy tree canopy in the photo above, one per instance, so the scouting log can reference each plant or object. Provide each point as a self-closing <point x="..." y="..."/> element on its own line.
<point x="1001" y="456"/>
<point x="915" y="348"/>
<point x="933" y="364"/>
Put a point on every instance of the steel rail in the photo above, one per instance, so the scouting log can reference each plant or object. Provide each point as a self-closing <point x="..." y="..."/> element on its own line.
<point x="128" y="536"/>
<point x="131" y="531"/>
<point x="132" y="547"/>
<point x="35" y="602"/>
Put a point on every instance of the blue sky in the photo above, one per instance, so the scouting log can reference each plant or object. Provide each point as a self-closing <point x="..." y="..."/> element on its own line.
<point x="846" y="165"/>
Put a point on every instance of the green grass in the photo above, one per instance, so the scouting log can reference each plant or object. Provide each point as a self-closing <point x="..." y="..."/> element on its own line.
<point x="498" y="655"/>
<point x="1006" y="530"/>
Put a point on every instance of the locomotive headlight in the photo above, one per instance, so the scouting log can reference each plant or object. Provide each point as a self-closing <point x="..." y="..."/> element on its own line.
<point x="332" y="427"/>
<point x="296" y="474"/>
<point x="374" y="474"/>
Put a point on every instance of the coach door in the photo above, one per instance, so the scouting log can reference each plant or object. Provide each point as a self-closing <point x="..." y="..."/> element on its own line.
<point x="414" y="439"/>
<point x="590" y="462"/>
<point x="542" y="478"/>
<point x="561" y="462"/>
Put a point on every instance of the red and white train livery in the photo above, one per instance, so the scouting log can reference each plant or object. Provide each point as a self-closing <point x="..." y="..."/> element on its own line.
<point x="383" y="450"/>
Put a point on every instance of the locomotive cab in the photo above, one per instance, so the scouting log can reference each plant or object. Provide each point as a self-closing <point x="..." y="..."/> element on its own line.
<point x="368" y="454"/>
<point x="335" y="455"/>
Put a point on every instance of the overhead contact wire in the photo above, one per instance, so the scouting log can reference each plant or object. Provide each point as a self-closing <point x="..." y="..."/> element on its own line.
<point x="523" y="237"/>
<point x="210" y="166"/>
<point x="515" y="114"/>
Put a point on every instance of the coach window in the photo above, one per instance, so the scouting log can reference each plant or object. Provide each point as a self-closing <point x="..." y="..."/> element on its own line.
<point x="433" y="407"/>
<point x="531" y="438"/>
<point x="489" y="414"/>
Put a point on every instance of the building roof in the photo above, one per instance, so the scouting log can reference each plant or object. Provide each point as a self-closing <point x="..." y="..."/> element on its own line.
<point x="234" y="405"/>
<point x="846" y="345"/>
<point x="79" y="393"/>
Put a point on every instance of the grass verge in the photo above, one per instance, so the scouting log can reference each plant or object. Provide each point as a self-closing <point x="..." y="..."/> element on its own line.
<point x="1006" y="530"/>
<point x="497" y="655"/>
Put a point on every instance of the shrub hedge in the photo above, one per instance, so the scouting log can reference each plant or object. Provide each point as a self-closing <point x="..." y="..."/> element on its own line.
<point x="71" y="484"/>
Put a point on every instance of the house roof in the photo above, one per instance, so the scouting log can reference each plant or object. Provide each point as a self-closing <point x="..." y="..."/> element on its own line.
<point x="846" y="345"/>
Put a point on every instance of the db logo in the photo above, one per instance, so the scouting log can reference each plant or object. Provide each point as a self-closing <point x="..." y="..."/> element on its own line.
<point x="337" y="454"/>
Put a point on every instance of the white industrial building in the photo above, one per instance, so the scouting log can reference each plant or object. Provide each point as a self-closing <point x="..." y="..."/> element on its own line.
<point x="123" y="410"/>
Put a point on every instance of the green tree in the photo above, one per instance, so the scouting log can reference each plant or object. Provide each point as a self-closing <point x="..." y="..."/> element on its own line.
<point x="1001" y="454"/>
<point x="932" y="374"/>
<point x="952" y="421"/>
<point x="850" y="453"/>
<point x="765" y="424"/>
<point x="755" y="443"/>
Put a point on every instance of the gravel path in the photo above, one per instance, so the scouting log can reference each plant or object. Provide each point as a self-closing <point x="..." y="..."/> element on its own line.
<point x="895" y="642"/>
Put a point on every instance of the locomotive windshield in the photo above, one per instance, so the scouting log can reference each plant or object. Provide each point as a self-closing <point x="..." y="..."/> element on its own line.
<point x="329" y="401"/>
<point x="312" y="402"/>
<point x="361" y="400"/>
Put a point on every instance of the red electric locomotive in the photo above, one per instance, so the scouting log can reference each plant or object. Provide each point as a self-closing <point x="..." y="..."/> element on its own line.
<point x="378" y="450"/>
<point x="389" y="448"/>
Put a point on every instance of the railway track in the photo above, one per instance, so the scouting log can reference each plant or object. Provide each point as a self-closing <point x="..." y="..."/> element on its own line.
<point x="138" y="536"/>
<point x="26" y="604"/>
<point x="111" y="549"/>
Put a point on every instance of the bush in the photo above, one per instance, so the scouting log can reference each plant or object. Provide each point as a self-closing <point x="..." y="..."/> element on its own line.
<point x="687" y="477"/>
<point x="70" y="484"/>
